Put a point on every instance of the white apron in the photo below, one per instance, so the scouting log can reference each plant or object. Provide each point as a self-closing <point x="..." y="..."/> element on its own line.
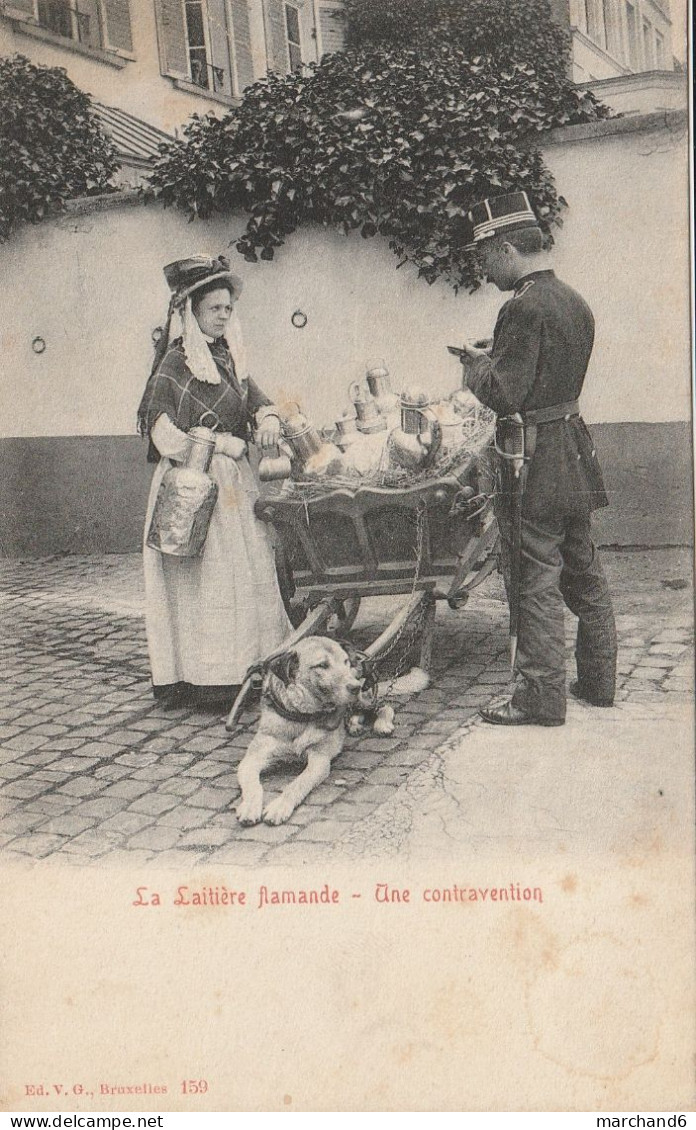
<point x="209" y="617"/>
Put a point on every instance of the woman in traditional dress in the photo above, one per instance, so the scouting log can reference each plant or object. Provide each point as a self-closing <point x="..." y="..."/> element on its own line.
<point x="209" y="617"/>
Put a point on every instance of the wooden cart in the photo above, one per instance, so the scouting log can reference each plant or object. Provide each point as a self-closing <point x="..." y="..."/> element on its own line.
<point x="434" y="540"/>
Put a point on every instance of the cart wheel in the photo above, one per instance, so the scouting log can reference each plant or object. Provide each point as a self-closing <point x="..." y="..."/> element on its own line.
<point x="296" y="610"/>
<point x="341" y="623"/>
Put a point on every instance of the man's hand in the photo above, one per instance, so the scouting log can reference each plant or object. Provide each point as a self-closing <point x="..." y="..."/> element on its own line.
<point x="477" y="349"/>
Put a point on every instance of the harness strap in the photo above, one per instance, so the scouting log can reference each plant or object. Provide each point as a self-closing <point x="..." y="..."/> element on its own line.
<point x="326" y="719"/>
<point x="551" y="414"/>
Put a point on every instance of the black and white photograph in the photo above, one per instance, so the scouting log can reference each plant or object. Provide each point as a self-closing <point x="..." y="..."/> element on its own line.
<point x="346" y="564"/>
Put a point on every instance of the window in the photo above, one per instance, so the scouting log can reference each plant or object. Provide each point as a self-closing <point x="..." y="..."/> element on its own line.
<point x="660" y="50"/>
<point x="78" y="21"/>
<point x="197" y="44"/>
<point x="647" y="43"/>
<point x="595" y="27"/>
<point x="583" y="16"/>
<point x="292" y="30"/>
<point x="331" y="29"/>
<point x="632" y="35"/>
<point x="208" y="50"/>
<point x="609" y="27"/>
<point x="97" y="25"/>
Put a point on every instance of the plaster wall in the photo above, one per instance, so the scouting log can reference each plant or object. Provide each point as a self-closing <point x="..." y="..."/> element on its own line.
<point x="90" y="286"/>
<point x="81" y="294"/>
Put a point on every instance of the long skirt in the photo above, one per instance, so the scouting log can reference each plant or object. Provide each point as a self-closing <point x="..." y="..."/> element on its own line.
<point x="209" y="618"/>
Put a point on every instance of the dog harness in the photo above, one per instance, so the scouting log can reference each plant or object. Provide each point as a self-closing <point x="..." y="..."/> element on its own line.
<point x="325" y="719"/>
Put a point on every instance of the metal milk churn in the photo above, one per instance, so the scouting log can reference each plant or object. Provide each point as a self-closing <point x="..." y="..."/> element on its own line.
<point x="311" y="455"/>
<point x="275" y="464"/>
<point x="366" y="409"/>
<point x="377" y="377"/>
<point x="185" y="501"/>
<point x="451" y="425"/>
<point x="416" y="444"/>
<point x="346" y="431"/>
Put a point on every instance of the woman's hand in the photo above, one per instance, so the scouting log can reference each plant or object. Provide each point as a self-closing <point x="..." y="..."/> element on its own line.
<point x="268" y="431"/>
<point x="231" y="446"/>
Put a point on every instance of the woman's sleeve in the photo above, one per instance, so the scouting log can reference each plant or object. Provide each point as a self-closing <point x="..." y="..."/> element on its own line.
<point x="169" y="440"/>
<point x="258" y="404"/>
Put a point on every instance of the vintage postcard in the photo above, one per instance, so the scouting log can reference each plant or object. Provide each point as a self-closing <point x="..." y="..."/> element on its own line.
<point x="347" y="719"/>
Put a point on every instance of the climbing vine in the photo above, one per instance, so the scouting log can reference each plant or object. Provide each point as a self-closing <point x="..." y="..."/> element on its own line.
<point x="431" y="107"/>
<point x="52" y="147"/>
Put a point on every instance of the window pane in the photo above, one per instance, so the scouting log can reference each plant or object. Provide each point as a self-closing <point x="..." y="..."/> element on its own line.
<point x="194" y="23"/>
<point x="292" y="20"/>
<point x="199" y="67"/>
<point x="87" y="22"/>
<point x="55" y="15"/>
<point x="295" y="57"/>
<point x="632" y="34"/>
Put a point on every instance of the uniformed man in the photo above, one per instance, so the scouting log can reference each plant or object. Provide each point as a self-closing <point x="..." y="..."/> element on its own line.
<point x="536" y="368"/>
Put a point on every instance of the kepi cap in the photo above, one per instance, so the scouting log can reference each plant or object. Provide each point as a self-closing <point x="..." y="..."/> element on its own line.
<point x="500" y="214"/>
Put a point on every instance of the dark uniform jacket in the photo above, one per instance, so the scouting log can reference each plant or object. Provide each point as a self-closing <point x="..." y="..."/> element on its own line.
<point x="541" y="348"/>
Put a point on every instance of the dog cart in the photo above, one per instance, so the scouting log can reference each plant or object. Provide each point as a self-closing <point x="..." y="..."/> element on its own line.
<point x="434" y="538"/>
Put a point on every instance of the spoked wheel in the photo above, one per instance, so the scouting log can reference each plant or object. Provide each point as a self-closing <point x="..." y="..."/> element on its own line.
<point x="296" y="610"/>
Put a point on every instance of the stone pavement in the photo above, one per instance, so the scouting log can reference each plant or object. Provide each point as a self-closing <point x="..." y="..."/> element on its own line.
<point x="94" y="771"/>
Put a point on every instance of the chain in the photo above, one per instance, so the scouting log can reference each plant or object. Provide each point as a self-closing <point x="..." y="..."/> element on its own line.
<point x="412" y="625"/>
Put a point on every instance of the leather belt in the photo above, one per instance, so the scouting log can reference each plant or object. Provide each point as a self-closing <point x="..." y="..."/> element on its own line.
<point x="551" y="414"/>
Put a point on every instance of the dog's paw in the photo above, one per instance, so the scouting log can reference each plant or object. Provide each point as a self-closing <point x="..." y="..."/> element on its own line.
<point x="384" y="722"/>
<point x="250" y="811"/>
<point x="355" y="724"/>
<point x="278" y="811"/>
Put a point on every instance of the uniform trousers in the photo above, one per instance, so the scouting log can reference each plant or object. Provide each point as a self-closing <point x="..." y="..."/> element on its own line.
<point x="560" y="567"/>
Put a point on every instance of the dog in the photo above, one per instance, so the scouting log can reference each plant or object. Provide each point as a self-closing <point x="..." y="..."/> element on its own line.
<point x="307" y="693"/>
<point x="310" y="696"/>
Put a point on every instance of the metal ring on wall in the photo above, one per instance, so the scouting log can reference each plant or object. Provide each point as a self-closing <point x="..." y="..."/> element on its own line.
<point x="38" y="345"/>
<point x="299" y="319"/>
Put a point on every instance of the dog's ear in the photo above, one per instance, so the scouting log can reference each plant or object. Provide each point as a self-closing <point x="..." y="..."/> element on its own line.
<point x="285" y="666"/>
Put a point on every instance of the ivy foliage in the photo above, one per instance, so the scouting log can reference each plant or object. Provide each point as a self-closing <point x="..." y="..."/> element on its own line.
<point x="52" y="147"/>
<point x="434" y="105"/>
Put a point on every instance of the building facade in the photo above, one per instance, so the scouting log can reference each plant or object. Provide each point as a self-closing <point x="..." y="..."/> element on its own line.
<point x="164" y="60"/>
<point x="620" y="37"/>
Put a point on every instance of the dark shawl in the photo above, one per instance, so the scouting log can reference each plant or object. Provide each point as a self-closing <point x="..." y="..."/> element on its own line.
<point x="173" y="389"/>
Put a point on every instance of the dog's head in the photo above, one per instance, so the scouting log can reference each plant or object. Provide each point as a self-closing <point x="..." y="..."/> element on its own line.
<point x="322" y="668"/>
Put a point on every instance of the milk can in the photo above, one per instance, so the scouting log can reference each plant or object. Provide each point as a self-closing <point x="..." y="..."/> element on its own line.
<point x="417" y="442"/>
<point x="311" y="455"/>
<point x="185" y="501"/>
<point x="369" y="419"/>
<point x="377" y="377"/>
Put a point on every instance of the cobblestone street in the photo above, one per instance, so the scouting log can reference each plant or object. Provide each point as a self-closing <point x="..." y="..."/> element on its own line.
<point x="93" y="770"/>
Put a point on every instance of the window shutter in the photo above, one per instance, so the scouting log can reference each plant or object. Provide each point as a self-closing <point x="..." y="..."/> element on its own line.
<point x="219" y="41"/>
<point x="241" y="35"/>
<point x="332" y="32"/>
<point x="171" y="36"/>
<point x="276" y="42"/>
<point x="118" y="25"/>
